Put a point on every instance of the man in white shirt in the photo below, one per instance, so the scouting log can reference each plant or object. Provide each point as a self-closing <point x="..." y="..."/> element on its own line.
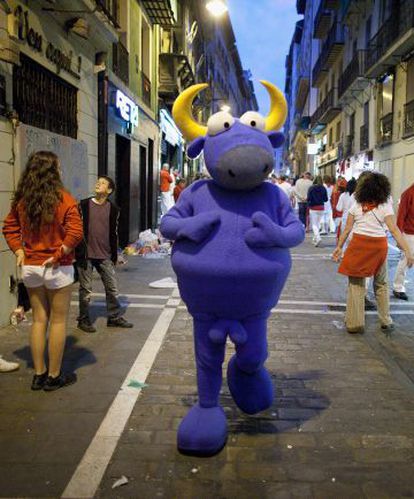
<point x="301" y="189"/>
<point x="283" y="184"/>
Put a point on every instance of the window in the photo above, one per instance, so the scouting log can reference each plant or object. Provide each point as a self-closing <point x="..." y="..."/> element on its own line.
<point x="338" y="131"/>
<point x="387" y="94"/>
<point x="410" y="80"/>
<point x="352" y="124"/>
<point x="366" y="113"/>
<point x="145" y="48"/>
<point x="368" y="31"/>
<point x="330" y="137"/>
<point x="44" y="100"/>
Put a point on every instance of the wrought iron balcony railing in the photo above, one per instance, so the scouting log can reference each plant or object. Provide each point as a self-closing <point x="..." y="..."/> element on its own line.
<point x="331" y="48"/>
<point x="110" y="9"/>
<point x="409" y="119"/>
<point x="120" y="62"/>
<point x="392" y="30"/>
<point x="322" y="21"/>
<point x="327" y="110"/>
<point x="364" y="137"/>
<point x="355" y="69"/>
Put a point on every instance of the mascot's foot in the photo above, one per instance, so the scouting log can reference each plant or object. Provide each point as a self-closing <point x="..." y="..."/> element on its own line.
<point x="203" y="431"/>
<point x="251" y="392"/>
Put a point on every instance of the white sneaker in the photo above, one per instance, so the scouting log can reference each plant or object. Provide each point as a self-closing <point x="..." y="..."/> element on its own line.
<point x="6" y="367"/>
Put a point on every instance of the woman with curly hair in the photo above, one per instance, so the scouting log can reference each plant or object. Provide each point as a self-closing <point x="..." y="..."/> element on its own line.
<point x="42" y="229"/>
<point x="366" y="254"/>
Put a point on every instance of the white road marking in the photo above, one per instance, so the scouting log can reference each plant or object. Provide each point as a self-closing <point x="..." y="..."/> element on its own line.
<point x="125" y="304"/>
<point x="121" y="295"/>
<point x="88" y="475"/>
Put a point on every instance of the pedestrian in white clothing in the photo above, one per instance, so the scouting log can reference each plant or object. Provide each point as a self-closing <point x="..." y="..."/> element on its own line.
<point x="328" y="222"/>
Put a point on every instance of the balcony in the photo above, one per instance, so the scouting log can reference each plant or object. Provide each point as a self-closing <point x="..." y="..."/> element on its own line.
<point x="385" y="132"/>
<point x="145" y="89"/>
<point x="175" y="75"/>
<point x="351" y="8"/>
<point x="331" y="49"/>
<point x="394" y="39"/>
<point x="352" y="79"/>
<point x="349" y="145"/>
<point x="409" y="119"/>
<point x="120" y="62"/>
<point x="160" y="12"/>
<point x="322" y="22"/>
<point x="110" y="9"/>
<point x="326" y="112"/>
<point x="301" y="92"/>
<point x="331" y="4"/>
<point x="300" y="6"/>
<point x="364" y="137"/>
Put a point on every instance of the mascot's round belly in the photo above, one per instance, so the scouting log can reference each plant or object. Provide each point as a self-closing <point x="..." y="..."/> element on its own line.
<point x="224" y="277"/>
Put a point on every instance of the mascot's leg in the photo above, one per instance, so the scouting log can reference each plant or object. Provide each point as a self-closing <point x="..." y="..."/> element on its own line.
<point x="249" y="382"/>
<point x="203" y="431"/>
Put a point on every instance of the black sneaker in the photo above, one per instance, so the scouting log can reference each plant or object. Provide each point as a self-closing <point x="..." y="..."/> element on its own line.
<point x="59" y="382"/>
<point x="369" y="305"/>
<point x="86" y="326"/>
<point x="39" y="381"/>
<point x="400" y="295"/>
<point x="119" y="322"/>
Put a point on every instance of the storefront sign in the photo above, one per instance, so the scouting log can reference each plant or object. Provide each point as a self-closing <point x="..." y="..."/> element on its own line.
<point x="27" y="34"/>
<point x="172" y="134"/>
<point x="126" y="108"/>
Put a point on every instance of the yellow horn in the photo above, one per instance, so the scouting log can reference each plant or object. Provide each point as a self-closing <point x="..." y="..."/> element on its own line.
<point x="278" y="107"/>
<point x="183" y="115"/>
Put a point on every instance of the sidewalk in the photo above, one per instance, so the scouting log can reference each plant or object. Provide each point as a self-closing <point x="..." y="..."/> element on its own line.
<point x="342" y="425"/>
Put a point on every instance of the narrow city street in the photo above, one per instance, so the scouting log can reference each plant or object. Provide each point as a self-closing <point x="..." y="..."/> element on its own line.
<point x="341" y="425"/>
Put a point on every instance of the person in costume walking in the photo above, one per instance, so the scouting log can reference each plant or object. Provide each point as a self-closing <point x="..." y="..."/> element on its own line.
<point x="42" y="229"/>
<point x="366" y="254"/>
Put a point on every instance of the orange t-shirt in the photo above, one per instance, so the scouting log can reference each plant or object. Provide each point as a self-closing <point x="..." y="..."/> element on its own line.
<point x="165" y="181"/>
<point x="66" y="229"/>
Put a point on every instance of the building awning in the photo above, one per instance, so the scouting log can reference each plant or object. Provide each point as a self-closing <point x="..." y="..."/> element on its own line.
<point x="160" y="12"/>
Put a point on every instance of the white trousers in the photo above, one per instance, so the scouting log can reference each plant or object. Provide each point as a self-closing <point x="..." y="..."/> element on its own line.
<point x="328" y="222"/>
<point x="315" y="218"/>
<point x="399" y="278"/>
<point x="166" y="202"/>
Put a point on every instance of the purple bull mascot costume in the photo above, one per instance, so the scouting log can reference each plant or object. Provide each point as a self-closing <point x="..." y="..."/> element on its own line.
<point x="231" y="255"/>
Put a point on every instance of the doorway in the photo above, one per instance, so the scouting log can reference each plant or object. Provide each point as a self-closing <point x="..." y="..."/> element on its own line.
<point x="150" y="203"/>
<point x="143" y="183"/>
<point x="122" y="180"/>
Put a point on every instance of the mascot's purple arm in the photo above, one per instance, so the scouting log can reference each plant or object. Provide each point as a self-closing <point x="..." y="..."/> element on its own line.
<point x="231" y="257"/>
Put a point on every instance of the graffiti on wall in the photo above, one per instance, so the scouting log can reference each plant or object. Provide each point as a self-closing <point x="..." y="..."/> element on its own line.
<point x="73" y="155"/>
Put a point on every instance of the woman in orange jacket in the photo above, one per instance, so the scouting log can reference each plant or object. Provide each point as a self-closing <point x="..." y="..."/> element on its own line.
<point x="42" y="229"/>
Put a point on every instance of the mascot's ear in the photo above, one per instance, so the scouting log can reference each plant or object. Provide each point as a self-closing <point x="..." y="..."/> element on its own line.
<point x="195" y="148"/>
<point x="276" y="139"/>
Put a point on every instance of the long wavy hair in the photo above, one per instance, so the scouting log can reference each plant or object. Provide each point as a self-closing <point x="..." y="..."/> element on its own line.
<point x="39" y="189"/>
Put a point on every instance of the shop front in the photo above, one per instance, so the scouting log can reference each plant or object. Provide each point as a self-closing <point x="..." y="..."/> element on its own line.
<point x="132" y="161"/>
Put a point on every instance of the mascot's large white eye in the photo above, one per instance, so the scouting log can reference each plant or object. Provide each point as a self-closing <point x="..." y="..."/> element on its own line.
<point x="254" y="120"/>
<point x="219" y="122"/>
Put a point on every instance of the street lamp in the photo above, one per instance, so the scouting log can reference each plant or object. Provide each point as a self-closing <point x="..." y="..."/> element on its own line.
<point x="217" y="7"/>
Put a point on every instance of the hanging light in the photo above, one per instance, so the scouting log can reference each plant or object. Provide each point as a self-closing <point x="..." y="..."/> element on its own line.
<point x="217" y="7"/>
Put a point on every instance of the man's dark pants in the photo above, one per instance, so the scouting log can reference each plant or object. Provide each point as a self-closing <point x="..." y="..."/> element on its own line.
<point x="106" y="269"/>
<point x="302" y="212"/>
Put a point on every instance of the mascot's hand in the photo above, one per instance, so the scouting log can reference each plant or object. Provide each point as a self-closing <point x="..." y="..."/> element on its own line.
<point x="264" y="234"/>
<point x="199" y="227"/>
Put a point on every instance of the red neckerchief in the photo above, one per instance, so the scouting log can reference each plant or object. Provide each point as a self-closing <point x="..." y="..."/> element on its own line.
<point x="368" y="207"/>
